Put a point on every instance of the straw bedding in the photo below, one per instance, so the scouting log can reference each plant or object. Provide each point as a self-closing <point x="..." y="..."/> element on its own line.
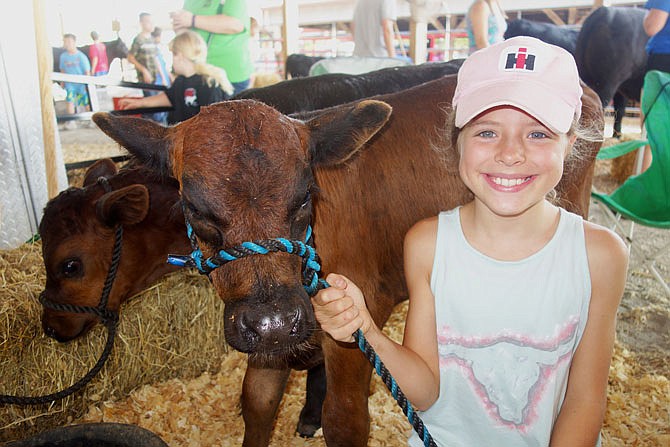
<point x="174" y="329"/>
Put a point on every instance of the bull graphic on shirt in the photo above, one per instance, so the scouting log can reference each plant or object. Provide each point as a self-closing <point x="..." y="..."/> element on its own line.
<point x="190" y="97"/>
<point x="507" y="365"/>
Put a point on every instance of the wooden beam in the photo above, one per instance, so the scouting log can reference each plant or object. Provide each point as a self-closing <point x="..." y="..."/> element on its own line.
<point x="44" y="67"/>
<point x="290" y="29"/>
<point x="553" y="17"/>
<point x="572" y="16"/>
<point x="436" y="24"/>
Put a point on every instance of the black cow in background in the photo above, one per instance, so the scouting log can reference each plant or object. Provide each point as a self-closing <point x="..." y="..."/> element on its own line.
<point x="298" y="65"/>
<point x="561" y="36"/>
<point x="115" y="48"/>
<point x="611" y="56"/>
<point x="320" y="92"/>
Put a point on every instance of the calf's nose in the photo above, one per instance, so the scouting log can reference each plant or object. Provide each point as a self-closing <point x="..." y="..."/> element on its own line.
<point x="258" y="331"/>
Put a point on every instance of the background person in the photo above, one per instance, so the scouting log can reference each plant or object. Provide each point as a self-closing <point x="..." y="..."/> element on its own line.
<point x="97" y="53"/>
<point x="143" y="55"/>
<point x="372" y="27"/>
<point x="225" y="27"/>
<point x="197" y="83"/>
<point x="163" y="76"/>
<point x="73" y="61"/>
<point x="512" y="300"/>
<point x="485" y="24"/>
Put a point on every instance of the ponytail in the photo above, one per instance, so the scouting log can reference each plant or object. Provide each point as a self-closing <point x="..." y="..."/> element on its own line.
<point x="214" y="77"/>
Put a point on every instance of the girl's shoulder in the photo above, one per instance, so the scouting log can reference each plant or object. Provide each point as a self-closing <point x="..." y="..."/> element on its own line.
<point x="603" y="244"/>
<point x="422" y="234"/>
<point x="608" y="266"/>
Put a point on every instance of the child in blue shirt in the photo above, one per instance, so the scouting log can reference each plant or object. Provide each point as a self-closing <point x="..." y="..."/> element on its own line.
<point x="73" y="61"/>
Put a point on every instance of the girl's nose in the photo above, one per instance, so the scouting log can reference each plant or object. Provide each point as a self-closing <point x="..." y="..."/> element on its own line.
<point x="510" y="153"/>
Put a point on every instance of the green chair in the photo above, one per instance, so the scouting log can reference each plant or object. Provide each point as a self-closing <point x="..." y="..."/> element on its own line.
<point x="644" y="198"/>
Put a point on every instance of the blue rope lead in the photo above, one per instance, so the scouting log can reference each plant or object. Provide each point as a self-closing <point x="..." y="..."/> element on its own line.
<point x="312" y="283"/>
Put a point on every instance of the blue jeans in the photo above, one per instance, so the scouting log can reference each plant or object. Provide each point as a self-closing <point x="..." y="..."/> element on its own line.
<point x="160" y="117"/>
<point x="240" y="86"/>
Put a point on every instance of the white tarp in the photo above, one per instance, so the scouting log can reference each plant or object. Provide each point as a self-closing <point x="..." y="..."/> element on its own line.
<point x="23" y="186"/>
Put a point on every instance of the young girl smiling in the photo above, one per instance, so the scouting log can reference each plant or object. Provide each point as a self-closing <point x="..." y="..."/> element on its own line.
<point x="513" y="300"/>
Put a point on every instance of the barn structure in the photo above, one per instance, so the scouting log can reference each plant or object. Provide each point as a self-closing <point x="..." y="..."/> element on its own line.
<point x="32" y="165"/>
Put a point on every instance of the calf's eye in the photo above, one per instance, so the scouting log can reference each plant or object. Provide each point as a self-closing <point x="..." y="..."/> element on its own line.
<point x="71" y="268"/>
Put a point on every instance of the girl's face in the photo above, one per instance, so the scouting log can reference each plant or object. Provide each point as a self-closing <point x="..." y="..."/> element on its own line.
<point x="509" y="160"/>
<point x="179" y="63"/>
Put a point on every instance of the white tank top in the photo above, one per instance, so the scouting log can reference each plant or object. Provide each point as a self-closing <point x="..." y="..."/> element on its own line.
<point x="507" y="332"/>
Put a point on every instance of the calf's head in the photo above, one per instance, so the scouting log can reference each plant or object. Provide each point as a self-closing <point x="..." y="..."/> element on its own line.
<point x="78" y="233"/>
<point x="245" y="174"/>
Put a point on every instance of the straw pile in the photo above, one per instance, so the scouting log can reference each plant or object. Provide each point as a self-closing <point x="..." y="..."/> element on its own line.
<point x="174" y="329"/>
<point x="620" y="168"/>
<point x="205" y="411"/>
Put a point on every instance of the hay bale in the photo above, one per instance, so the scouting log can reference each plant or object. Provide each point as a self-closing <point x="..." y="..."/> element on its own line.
<point x="174" y="329"/>
<point x="264" y="79"/>
<point x="622" y="167"/>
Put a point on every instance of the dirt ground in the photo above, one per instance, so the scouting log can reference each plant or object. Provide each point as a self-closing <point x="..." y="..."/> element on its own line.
<point x="643" y="329"/>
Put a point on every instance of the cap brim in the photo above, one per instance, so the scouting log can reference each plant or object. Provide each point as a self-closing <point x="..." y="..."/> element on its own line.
<point x="547" y="107"/>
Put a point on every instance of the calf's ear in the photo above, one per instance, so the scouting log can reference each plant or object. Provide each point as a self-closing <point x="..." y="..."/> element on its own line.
<point x="148" y="141"/>
<point x="338" y="132"/>
<point x="101" y="168"/>
<point x="125" y="206"/>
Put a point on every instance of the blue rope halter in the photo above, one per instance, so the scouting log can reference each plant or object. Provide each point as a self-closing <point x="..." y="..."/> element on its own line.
<point x="312" y="284"/>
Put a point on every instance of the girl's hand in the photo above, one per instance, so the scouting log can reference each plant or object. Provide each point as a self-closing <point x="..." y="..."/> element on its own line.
<point x="340" y="309"/>
<point x="128" y="103"/>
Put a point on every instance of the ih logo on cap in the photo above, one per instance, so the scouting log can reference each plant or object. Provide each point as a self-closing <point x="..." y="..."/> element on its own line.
<point x="520" y="60"/>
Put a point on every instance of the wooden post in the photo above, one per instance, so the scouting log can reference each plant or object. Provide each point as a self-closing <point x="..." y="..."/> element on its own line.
<point x="44" y="65"/>
<point x="289" y="28"/>
<point x="418" y="36"/>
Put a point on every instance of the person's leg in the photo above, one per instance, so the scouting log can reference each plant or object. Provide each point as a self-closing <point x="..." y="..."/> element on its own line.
<point x="159" y="117"/>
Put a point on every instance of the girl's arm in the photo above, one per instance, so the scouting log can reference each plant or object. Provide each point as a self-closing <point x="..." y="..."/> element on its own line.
<point x="581" y="416"/>
<point x="341" y="310"/>
<point x="159" y="100"/>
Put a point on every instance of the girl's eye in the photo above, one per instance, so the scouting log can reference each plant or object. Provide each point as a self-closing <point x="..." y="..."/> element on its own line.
<point x="538" y="134"/>
<point x="486" y="134"/>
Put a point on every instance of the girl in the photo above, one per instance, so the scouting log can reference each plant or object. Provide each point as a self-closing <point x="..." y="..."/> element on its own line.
<point x="511" y="318"/>
<point x="197" y="84"/>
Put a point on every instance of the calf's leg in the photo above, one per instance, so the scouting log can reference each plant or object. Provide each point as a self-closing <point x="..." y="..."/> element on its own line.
<point x="310" y="416"/>
<point x="262" y="392"/>
<point x="345" y="418"/>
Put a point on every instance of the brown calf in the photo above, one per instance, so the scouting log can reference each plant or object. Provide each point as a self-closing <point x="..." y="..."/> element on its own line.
<point x="77" y="231"/>
<point x="361" y="175"/>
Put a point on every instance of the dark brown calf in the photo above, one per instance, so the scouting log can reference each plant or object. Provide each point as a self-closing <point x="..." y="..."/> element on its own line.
<point x="77" y="231"/>
<point x="361" y="175"/>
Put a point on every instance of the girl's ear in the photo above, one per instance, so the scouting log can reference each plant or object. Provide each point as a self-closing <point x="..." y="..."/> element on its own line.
<point x="571" y="143"/>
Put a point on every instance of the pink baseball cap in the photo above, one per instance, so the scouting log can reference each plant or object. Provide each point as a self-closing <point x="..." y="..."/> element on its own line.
<point x="538" y="78"/>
